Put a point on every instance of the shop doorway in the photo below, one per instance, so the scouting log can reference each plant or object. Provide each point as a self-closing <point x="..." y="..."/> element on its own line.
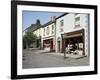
<point x="74" y="42"/>
<point x="48" y="44"/>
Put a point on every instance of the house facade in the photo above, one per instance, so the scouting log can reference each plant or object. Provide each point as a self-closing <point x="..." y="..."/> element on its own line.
<point x="48" y="35"/>
<point x="72" y="33"/>
<point x="37" y="32"/>
<point x="69" y="31"/>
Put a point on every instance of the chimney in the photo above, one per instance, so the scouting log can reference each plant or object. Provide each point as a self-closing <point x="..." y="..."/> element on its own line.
<point x="53" y="18"/>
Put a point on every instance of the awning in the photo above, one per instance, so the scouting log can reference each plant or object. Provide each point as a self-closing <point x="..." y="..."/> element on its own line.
<point x="71" y="36"/>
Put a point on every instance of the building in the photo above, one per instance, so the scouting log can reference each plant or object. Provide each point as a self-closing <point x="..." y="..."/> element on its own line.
<point x="36" y="30"/>
<point x="37" y="43"/>
<point x="69" y="31"/>
<point x="72" y="33"/>
<point x="48" y="36"/>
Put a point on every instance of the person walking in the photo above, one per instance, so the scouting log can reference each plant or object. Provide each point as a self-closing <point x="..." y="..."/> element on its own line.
<point x="64" y="50"/>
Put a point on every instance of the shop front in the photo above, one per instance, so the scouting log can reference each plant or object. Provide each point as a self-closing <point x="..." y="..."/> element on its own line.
<point x="48" y="44"/>
<point x="73" y="42"/>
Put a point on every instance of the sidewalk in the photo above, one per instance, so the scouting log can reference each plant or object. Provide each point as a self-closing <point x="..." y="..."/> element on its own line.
<point x="62" y="54"/>
<point x="68" y="55"/>
<point x="42" y="59"/>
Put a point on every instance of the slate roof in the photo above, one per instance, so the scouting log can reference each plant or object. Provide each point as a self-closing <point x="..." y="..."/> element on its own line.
<point x="61" y="15"/>
<point x="48" y="23"/>
<point x="34" y="27"/>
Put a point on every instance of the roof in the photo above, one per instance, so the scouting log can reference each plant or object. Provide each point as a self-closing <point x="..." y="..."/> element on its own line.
<point x="48" y="23"/>
<point x="29" y="27"/>
<point x="33" y="27"/>
<point x="61" y="15"/>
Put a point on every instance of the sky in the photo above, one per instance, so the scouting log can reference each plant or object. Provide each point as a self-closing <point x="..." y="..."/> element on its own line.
<point x="30" y="17"/>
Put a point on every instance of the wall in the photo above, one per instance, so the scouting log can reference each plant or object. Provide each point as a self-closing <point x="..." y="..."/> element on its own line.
<point x="50" y="30"/>
<point x="68" y="20"/>
<point x="69" y="26"/>
<point x="50" y="35"/>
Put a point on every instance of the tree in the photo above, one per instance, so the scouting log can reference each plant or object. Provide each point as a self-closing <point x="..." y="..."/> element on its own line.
<point x="28" y="39"/>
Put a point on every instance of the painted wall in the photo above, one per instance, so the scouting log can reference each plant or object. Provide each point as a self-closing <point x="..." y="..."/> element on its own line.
<point x="69" y="26"/>
<point x="50" y="35"/>
<point x="37" y="32"/>
<point x="50" y="31"/>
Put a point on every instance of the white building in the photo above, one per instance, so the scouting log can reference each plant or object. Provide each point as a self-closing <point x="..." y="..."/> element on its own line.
<point x="72" y="29"/>
<point x="68" y="31"/>
<point x="48" y="35"/>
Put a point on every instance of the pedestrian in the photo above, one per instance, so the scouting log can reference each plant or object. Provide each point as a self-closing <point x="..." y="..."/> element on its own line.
<point x="64" y="50"/>
<point x="67" y="50"/>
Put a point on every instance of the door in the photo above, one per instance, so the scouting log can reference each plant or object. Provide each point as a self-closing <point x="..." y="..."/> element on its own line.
<point x="51" y="44"/>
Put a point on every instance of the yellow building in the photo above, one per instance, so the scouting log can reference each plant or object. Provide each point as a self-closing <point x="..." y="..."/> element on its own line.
<point x="37" y="43"/>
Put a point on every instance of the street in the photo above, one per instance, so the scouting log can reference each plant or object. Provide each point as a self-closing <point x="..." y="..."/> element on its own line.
<point x="39" y="59"/>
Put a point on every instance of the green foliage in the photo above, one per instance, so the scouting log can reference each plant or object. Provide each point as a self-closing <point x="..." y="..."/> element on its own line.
<point x="28" y="39"/>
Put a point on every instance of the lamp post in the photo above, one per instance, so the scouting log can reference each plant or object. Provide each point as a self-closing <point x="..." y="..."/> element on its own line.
<point x="64" y="47"/>
<point x="58" y="41"/>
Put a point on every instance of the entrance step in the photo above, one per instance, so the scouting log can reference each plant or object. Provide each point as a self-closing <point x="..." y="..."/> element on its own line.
<point x="74" y="56"/>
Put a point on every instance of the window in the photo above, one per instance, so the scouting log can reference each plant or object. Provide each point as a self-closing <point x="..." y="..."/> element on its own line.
<point x="48" y="30"/>
<point x="78" y="25"/>
<point x="61" y="29"/>
<point x="77" y="19"/>
<point x="44" y="32"/>
<point x="52" y="29"/>
<point x="61" y="25"/>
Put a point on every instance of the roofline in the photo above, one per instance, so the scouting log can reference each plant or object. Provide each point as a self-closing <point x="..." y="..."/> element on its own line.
<point x="29" y="27"/>
<point x="49" y="21"/>
<point x="48" y="24"/>
<point x="55" y="19"/>
<point x="36" y="29"/>
<point x="61" y="15"/>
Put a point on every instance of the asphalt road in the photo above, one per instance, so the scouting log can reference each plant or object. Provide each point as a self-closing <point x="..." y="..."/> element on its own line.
<point x="39" y="59"/>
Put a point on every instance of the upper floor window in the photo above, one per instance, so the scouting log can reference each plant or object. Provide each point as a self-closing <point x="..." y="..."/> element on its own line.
<point x="77" y="19"/>
<point x="44" y="32"/>
<point x="78" y="25"/>
<point x="47" y="30"/>
<point x="52" y="29"/>
<point x="61" y="25"/>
